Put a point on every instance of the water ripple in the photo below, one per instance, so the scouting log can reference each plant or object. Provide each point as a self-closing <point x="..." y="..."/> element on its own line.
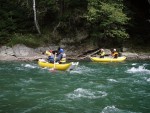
<point x="113" y="109"/>
<point x="86" y="93"/>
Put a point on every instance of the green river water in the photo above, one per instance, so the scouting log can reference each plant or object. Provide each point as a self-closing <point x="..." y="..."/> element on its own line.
<point x="91" y="88"/>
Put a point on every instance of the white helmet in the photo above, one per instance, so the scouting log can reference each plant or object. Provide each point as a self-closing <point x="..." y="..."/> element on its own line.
<point x="114" y="49"/>
<point x="102" y="49"/>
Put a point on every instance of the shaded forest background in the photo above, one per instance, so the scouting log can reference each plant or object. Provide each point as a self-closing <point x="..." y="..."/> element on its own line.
<point x="103" y="23"/>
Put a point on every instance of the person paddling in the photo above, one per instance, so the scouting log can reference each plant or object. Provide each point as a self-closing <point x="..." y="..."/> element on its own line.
<point x="114" y="53"/>
<point x="61" y="58"/>
<point x="102" y="53"/>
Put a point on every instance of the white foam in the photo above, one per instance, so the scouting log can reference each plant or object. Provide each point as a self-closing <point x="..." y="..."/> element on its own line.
<point x="109" y="109"/>
<point x="113" y="109"/>
<point x="112" y="80"/>
<point x="29" y="66"/>
<point x="134" y="64"/>
<point x="82" y="69"/>
<point x="148" y="80"/>
<point x="140" y="69"/>
<point x="85" y="93"/>
<point x="25" y="66"/>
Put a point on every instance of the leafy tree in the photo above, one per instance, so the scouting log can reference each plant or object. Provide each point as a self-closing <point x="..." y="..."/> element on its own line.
<point x="107" y="20"/>
<point x="70" y="17"/>
<point x="103" y="19"/>
<point x="7" y="22"/>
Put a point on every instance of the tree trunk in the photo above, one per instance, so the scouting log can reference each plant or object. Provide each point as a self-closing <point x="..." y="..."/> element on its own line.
<point x="35" y="19"/>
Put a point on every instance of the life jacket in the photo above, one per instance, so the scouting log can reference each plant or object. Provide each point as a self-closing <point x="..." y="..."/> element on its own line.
<point x="50" y="56"/>
<point x="48" y="53"/>
<point x="102" y="53"/>
<point x="115" y="54"/>
<point x="63" y="59"/>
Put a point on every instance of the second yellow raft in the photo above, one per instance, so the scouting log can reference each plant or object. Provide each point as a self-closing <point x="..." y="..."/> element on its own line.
<point x="108" y="59"/>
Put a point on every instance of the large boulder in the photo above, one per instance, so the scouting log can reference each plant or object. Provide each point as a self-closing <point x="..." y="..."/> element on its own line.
<point x="144" y="56"/>
<point x="21" y="50"/>
<point x="2" y="51"/>
<point x="130" y="55"/>
<point x="43" y="49"/>
<point x="6" y="53"/>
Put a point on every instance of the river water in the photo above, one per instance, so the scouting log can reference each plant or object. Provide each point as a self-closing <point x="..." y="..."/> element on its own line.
<point x="91" y="88"/>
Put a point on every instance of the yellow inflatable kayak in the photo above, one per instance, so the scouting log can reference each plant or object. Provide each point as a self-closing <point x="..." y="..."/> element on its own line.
<point x="62" y="67"/>
<point x="108" y="59"/>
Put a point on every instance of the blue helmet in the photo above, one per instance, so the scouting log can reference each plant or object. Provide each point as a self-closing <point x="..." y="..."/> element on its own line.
<point x="61" y="50"/>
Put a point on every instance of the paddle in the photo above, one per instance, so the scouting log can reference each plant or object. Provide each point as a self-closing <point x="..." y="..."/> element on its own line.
<point x="89" y="55"/>
<point x="54" y="60"/>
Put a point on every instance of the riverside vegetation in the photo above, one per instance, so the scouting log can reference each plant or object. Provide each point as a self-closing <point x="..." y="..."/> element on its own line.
<point x="88" y="24"/>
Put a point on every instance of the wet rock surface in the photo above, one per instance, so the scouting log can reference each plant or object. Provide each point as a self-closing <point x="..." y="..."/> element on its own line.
<point x="21" y="52"/>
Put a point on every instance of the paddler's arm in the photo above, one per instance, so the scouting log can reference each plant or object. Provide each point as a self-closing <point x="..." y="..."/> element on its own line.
<point x="59" y="58"/>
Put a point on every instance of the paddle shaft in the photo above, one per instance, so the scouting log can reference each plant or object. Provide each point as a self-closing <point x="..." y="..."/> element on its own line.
<point x="90" y="54"/>
<point x="54" y="60"/>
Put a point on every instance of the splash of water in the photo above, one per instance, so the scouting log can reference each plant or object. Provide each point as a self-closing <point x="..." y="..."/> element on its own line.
<point x="82" y="69"/>
<point x="29" y="66"/>
<point x="86" y="93"/>
<point x="140" y="69"/>
<point x="113" y="109"/>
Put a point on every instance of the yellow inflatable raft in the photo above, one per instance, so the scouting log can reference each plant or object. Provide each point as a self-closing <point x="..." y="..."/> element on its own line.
<point x="56" y="66"/>
<point x="108" y="59"/>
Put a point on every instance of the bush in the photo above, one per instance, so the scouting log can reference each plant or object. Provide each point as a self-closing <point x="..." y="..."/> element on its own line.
<point x="28" y="40"/>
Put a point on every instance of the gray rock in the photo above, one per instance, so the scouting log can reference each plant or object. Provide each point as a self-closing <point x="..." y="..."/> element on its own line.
<point x="9" y="51"/>
<point x="3" y="51"/>
<point x="107" y="51"/>
<point x="130" y="55"/>
<point x="125" y="49"/>
<point x="21" y="50"/>
<point x="8" y="58"/>
<point x="40" y="50"/>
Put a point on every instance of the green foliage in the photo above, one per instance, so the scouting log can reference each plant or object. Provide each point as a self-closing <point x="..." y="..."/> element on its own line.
<point x="102" y="19"/>
<point x="7" y="22"/>
<point x="29" y="40"/>
<point x="14" y="18"/>
<point x="118" y="33"/>
<point x="23" y="39"/>
<point x="109" y="18"/>
<point x="113" y="13"/>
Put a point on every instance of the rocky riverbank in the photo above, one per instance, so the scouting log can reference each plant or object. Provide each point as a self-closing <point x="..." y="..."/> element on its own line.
<point x="21" y="52"/>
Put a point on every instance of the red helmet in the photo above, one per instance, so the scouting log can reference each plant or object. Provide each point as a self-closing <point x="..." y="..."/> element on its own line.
<point x="50" y="51"/>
